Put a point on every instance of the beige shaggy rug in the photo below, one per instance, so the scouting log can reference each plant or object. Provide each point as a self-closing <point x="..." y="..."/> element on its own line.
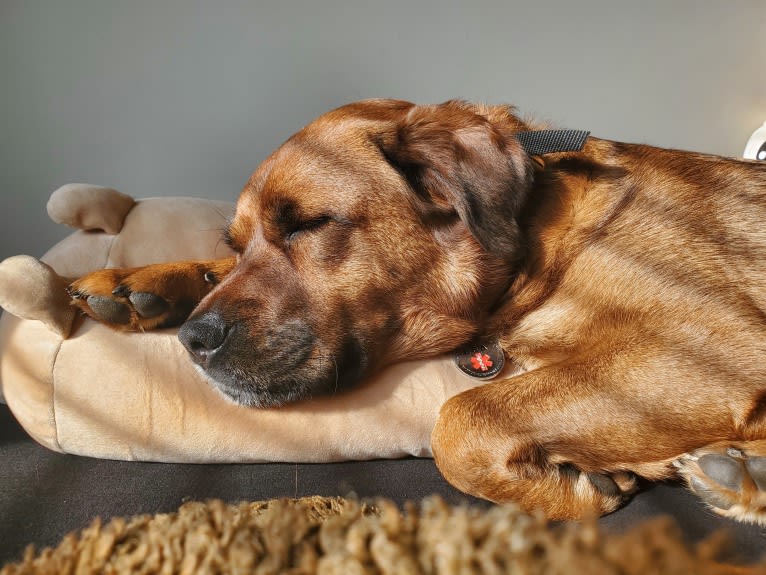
<point x="339" y="536"/>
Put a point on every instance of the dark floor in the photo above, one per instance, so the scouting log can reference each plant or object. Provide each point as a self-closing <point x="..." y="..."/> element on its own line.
<point x="44" y="495"/>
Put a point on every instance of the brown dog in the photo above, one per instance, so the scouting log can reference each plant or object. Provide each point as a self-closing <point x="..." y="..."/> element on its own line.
<point x="626" y="285"/>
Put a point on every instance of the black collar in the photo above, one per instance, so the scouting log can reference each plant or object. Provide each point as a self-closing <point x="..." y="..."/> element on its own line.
<point x="541" y="142"/>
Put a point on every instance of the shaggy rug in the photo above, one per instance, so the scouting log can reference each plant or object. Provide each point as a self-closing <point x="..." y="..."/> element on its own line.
<point x="340" y="536"/>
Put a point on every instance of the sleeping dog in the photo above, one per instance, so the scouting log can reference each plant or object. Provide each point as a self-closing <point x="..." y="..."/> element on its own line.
<point x="623" y="285"/>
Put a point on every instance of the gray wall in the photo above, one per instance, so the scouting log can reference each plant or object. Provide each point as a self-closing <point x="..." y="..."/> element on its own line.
<point x="181" y="97"/>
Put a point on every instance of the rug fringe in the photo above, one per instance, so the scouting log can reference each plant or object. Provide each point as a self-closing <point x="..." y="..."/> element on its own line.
<point x="329" y="536"/>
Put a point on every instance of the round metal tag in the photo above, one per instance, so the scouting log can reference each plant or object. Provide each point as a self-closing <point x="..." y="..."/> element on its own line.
<point x="481" y="361"/>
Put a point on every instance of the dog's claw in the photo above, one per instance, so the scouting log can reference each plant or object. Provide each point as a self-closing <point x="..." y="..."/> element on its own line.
<point x="735" y="453"/>
<point x="683" y="460"/>
<point x="121" y="290"/>
<point x="73" y="292"/>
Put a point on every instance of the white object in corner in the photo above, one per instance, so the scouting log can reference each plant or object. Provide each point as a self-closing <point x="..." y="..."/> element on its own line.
<point x="756" y="145"/>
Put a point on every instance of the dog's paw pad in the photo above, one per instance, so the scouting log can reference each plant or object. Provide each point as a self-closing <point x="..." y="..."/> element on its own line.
<point x="148" y="305"/>
<point x="108" y="309"/>
<point x="709" y="494"/>
<point x="730" y="480"/>
<point x="622" y="483"/>
<point x="610" y="488"/>
<point x="604" y="484"/>
<point x="723" y="469"/>
<point x="756" y="467"/>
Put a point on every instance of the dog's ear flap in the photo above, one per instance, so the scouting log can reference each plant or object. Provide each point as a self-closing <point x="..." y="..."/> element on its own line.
<point x="461" y="158"/>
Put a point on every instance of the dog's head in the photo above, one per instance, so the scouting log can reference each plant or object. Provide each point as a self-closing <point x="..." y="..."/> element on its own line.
<point x="382" y="231"/>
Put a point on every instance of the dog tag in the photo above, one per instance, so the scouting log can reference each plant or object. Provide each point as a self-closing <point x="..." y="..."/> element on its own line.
<point x="482" y="361"/>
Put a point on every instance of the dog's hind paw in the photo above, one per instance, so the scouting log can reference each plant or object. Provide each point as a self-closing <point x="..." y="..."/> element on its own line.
<point x="730" y="478"/>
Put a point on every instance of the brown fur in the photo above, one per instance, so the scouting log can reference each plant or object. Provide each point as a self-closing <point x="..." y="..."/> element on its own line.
<point x="626" y="284"/>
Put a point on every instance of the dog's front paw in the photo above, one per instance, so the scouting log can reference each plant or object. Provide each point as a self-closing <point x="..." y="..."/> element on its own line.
<point x="140" y="299"/>
<point x="731" y="479"/>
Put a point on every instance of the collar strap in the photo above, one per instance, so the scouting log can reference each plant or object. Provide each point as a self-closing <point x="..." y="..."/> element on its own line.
<point x="541" y="142"/>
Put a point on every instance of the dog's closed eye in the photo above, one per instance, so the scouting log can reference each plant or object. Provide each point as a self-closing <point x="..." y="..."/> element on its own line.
<point x="300" y="227"/>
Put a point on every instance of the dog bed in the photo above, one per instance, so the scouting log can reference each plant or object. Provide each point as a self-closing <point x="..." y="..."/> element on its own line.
<point x="78" y="387"/>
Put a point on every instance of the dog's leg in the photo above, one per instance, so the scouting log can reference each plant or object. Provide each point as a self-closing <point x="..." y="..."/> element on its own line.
<point x="573" y="439"/>
<point x="149" y="297"/>
<point x="511" y="441"/>
<point x="730" y="477"/>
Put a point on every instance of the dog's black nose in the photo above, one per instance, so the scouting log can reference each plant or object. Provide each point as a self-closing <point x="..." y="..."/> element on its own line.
<point x="203" y="335"/>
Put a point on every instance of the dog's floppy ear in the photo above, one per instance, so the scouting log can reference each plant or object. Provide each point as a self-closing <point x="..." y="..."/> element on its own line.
<point x="465" y="158"/>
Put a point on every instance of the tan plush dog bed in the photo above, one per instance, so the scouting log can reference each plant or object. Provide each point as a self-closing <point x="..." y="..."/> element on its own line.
<point x="79" y="387"/>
